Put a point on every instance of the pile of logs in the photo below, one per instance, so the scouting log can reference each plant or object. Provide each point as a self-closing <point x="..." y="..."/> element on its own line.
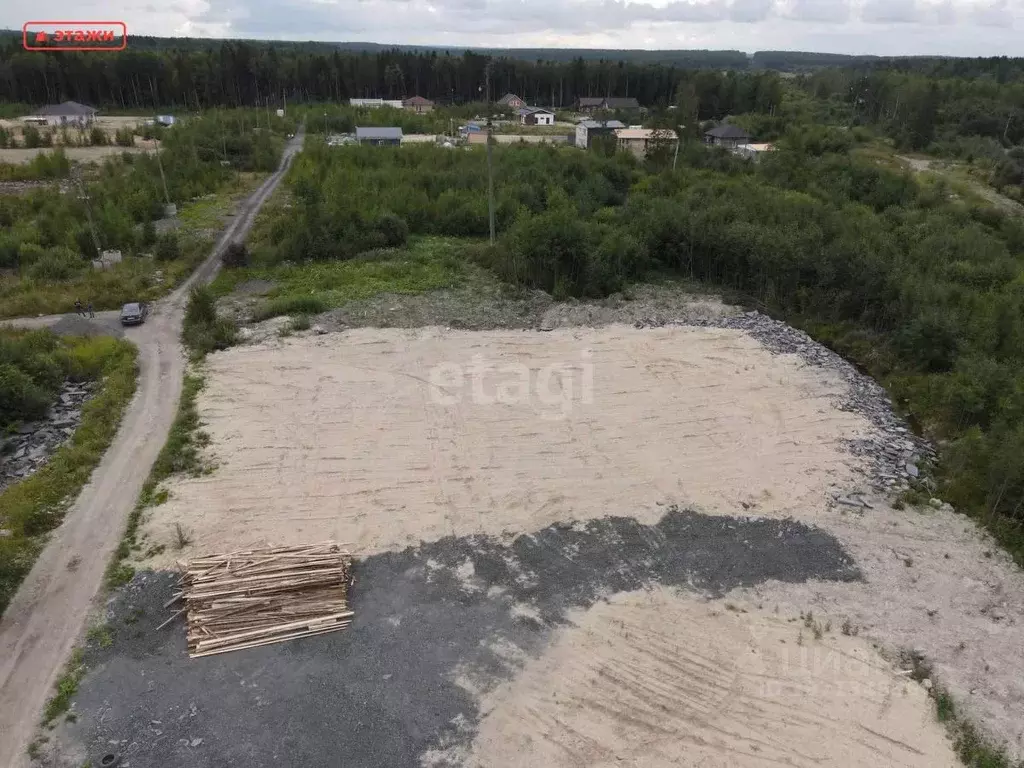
<point x="258" y="597"/>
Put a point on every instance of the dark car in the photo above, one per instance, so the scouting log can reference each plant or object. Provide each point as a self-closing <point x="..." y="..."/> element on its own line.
<point x="134" y="313"/>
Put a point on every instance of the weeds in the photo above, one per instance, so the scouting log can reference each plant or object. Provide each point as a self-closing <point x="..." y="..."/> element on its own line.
<point x="182" y="536"/>
<point x="67" y="685"/>
<point x="100" y="636"/>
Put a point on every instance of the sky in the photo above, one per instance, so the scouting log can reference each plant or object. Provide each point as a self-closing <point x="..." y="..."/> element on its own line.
<point x="884" y="27"/>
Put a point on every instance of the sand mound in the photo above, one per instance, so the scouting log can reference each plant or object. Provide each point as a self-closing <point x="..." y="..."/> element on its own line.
<point x="382" y="438"/>
<point x="663" y="679"/>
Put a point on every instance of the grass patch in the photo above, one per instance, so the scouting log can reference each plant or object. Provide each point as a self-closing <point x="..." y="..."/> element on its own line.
<point x="33" y="507"/>
<point x="67" y="686"/>
<point x="426" y="264"/>
<point x="179" y="454"/>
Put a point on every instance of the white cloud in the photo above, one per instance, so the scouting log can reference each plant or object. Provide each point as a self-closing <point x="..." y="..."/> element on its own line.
<point x="887" y="27"/>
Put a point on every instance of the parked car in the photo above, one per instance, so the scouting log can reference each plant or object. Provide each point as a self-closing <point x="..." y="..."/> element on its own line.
<point x="134" y="313"/>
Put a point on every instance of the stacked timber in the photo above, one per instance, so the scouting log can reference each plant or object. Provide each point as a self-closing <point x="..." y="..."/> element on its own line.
<point x="263" y="596"/>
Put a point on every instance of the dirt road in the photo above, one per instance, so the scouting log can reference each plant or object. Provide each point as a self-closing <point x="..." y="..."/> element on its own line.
<point x="45" y="619"/>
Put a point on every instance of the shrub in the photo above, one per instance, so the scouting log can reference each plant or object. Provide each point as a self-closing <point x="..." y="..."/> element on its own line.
<point x="98" y="137"/>
<point x="167" y="247"/>
<point x="202" y="330"/>
<point x="394" y="230"/>
<point x="20" y="397"/>
<point x="56" y="264"/>
<point x="31" y="136"/>
<point x="124" y="137"/>
<point x="291" y="305"/>
<point x="235" y="255"/>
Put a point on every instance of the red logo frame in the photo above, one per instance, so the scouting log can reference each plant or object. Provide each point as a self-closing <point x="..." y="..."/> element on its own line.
<point x="67" y="34"/>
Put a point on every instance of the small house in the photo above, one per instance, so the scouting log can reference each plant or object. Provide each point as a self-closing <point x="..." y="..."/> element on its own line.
<point x="586" y="130"/>
<point x="511" y="101"/>
<point x="418" y="104"/>
<point x="379" y="137"/>
<point x="66" y="113"/>
<point x="640" y="141"/>
<point x="726" y="135"/>
<point x="536" y="116"/>
<point x="588" y="104"/>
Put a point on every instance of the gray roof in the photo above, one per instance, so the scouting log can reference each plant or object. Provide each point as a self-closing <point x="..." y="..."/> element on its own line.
<point x="627" y="102"/>
<point x="534" y="110"/>
<point x="373" y="132"/>
<point x="591" y="101"/>
<point x="591" y="124"/>
<point x="66" y="109"/>
<point x="727" y="131"/>
<point x="507" y="98"/>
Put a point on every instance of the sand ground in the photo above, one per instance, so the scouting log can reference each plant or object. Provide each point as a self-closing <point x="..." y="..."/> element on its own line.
<point x="385" y="438"/>
<point x="661" y="678"/>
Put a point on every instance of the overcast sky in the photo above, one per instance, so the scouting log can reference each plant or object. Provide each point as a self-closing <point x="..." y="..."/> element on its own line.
<point x="952" y="27"/>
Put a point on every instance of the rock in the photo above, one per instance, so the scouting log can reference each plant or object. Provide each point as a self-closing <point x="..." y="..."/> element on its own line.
<point x="912" y="470"/>
<point x="927" y="683"/>
<point x="195" y="742"/>
<point x="4" y="533"/>
<point x="935" y="503"/>
<point x="319" y="330"/>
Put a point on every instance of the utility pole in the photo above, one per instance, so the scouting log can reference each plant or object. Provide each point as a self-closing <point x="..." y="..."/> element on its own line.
<point x="490" y="178"/>
<point x="88" y="213"/>
<point x="163" y="180"/>
<point x="675" y="156"/>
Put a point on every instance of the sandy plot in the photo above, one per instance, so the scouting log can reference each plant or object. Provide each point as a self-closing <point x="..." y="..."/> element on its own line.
<point x="21" y="156"/>
<point x="662" y="679"/>
<point x="385" y="437"/>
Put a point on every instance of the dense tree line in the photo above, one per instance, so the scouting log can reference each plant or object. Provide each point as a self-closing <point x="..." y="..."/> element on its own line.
<point x="923" y="289"/>
<point x="232" y="73"/>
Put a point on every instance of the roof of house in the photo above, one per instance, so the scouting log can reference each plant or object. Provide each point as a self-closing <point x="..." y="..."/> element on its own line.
<point x="65" y="109"/>
<point x="627" y="102"/>
<point x="644" y="133"/>
<point x="591" y="101"/>
<point x="592" y="124"/>
<point x="727" y="131"/>
<point x="418" y="101"/>
<point x="374" y="132"/>
<point x="508" y="97"/>
<point x="534" y="111"/>
<point x="758" y="147"/>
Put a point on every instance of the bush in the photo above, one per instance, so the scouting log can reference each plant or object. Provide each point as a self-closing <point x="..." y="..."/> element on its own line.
<point x="167" y="247"/>
<point x="124" y="137"/>
<point x="291" y="305"/>
<point x="393" y="229"/>
<point x="31" y="136"/>
<point x="202" y="330"/>
<point x="20" y="397"/>
<point x="235" y="255"/>
<point x="56" y="264"/>
<point x="98" y="137"/>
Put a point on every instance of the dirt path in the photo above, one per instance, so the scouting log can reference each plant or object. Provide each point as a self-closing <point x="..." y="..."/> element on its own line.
<point x="45" y="619"/>
<point x="919" y="165"/>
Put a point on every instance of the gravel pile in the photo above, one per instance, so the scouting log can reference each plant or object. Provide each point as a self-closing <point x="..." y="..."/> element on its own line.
<point x="24" y="452"/>
<point x="76" y="325"/>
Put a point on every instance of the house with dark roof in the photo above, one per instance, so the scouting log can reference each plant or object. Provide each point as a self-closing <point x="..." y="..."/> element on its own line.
<point x="588" y="104"/>
<point x="511" y="101"/>
<point x="379" y="137"/>
<point x="536" y="116"/>
<point x="588" y="130"/>
<point x="418" y="104"/>
<point x="726" y="135"/>
<point x="65" y="113"/>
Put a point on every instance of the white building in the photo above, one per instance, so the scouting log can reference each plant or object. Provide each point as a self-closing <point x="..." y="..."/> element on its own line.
<point x="536" y="116"/>
<point x="394" y="103"/>
<point x="67" y="113"/>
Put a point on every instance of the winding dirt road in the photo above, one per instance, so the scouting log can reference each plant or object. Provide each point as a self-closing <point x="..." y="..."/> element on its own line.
<point x="45" y="619"/>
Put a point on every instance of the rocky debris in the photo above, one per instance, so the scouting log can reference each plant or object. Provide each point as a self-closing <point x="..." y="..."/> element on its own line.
<point x="28" y="449"/>
<point x="894" y="453"/>
<point x="76" y="325"/>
